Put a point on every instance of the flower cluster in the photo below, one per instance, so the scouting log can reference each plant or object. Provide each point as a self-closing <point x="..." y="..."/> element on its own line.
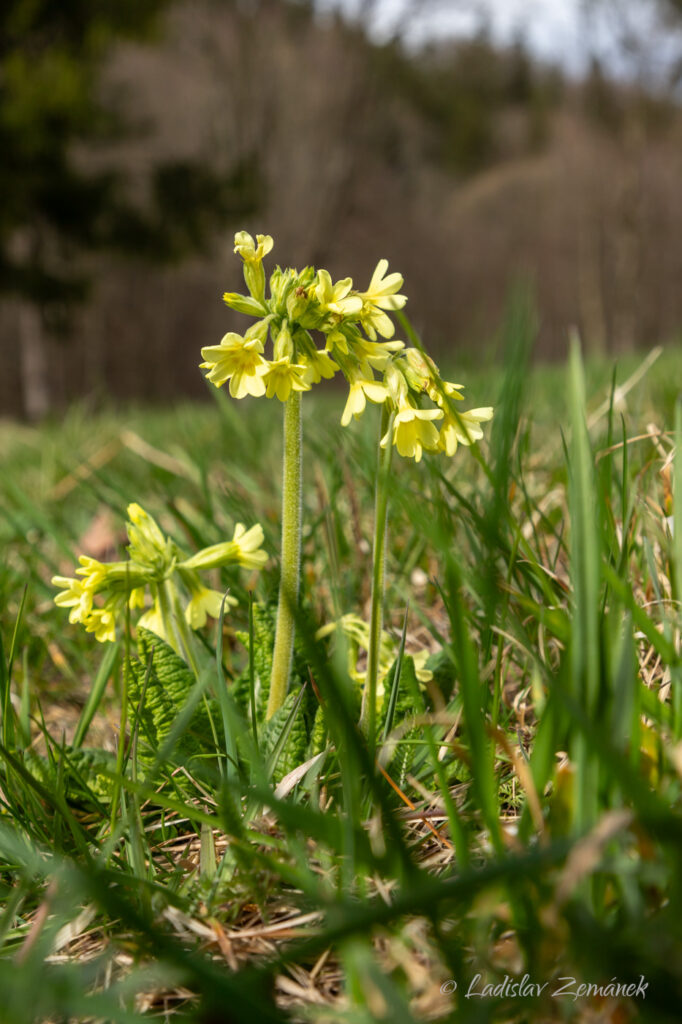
<point x="356" y="632"/>
<point x="304" y="304"/>
<point x="100" y="591"/>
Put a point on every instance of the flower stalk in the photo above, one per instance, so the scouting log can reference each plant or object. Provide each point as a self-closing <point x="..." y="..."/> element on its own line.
<point x="292" y="481"/>
<point x="368" y="711"/>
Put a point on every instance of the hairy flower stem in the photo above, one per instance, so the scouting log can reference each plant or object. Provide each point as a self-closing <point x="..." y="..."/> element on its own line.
<point x="292" y="478"/>
<point x="368" y="714"/>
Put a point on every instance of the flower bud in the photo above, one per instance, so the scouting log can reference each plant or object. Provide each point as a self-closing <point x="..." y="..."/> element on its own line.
<point x="284" y="343"/>
<point x="297" y="303"/>
<point x="244" y="304"/>
<point x="258" y="331"/>
<point x="396" y="384"/>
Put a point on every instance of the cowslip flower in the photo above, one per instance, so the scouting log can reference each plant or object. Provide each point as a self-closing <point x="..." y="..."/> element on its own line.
<point x="412" y="376"/>
<point x="361" y="388"/>
<point x="357" y="632"/>
<point x="252" y="254"/>
<point x="377" y="353"/>
<point x="282" y="377"/>
<point x="336" y="298"/>
<point x="301" y="302"/>
<point x="205" y="602"/>
<point x="358" y="332"/>
<point x="249" y="251"/>
<point x="462" y="428"/>
<point x="381" y="295"/>
<point x="318" y="364"/>
<point x="73" y="595"/>
<point x="238" y="360"/>
<point x="413" y="431"/>
<point x="244" y="549"/>
<point x="99" y="593"/>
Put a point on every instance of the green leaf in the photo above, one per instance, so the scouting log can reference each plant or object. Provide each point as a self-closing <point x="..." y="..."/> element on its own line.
<point x="167" y="691"/>
<point x="261" y="658"/>
<point x="284" y="738"/>
<point x="398" y="705"/>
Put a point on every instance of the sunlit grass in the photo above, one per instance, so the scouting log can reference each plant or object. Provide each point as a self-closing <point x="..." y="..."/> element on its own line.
<point x="527" y="816"/>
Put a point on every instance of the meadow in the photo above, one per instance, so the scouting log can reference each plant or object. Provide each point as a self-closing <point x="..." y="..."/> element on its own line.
<point x="505" y="847"/>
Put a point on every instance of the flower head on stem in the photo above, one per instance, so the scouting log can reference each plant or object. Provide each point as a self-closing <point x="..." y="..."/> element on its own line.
<point x="351" y="323"/>
<point x="100" y="591"/>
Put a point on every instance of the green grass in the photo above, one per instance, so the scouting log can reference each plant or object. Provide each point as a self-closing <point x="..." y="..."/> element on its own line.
<point x="541" y="763"/>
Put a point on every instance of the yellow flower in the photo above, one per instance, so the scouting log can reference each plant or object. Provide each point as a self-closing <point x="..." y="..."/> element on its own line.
<point x="381" y="295"/>
<point x="238" y="360"/>
<point x="247" y="248"/>
<point x="357" y="632"/>
<point x="136" y="599"/>
<point x="283" y="377"/>
<point x="413" y="430"/>
<point x="361" y="388"/>
<point x="94" y="572"/>
<point x="376" y="353"/>
<point x="318" y="364"/>
<point x="375" y="321"/>
<point x="249" y="543"/>
<point x="244" y="549"/>
<point x="101" y="622"/>
<point x="153" y="621"/>
<point x="337" y="339"/>
<point x="206" y="602"/>
<point x="444" y="387"/>
<point x="396" y="384"/>
<point x="154" y="563"/>
<point x="462" y="429"/>
<point x="148" y="547"/>
<point x="75" y="595"/>
<point x="334" y="298"/>
<point x="382" y="290"/>
<point x="253" y="254"/>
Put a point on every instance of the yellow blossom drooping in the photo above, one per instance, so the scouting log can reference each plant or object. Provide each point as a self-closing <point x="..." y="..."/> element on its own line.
<point x="413" y="431"/>
<point x="462" y="428"/>
<point x="244" y="549"/>
<point x="377" y="353"/>
<point x="205" y="602"/>
<point x="362" y="388"/>
<point x="99" y="593"/>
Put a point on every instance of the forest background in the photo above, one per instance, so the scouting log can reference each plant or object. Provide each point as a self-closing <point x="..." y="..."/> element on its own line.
<point x="135" y="142"/>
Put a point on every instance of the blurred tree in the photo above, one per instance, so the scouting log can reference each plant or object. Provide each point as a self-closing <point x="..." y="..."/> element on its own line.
<point x="641" y="41"/>
<point x="63" y="194"/>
